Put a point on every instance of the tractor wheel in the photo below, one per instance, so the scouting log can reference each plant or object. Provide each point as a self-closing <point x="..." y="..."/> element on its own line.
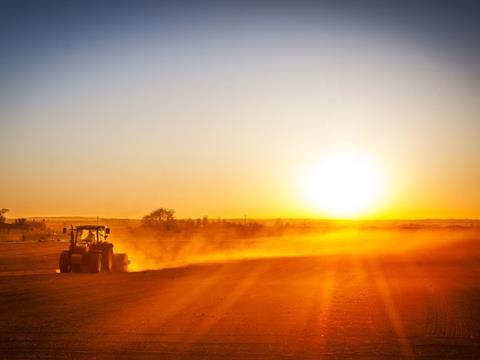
<point x="120" y="262"/>
<point x="65" y="266"/>
<point x="95" y="262"/>
<point x="107" y="259"/>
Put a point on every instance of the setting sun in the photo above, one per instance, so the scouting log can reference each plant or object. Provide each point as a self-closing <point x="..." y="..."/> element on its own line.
<point x="343" y="185"/>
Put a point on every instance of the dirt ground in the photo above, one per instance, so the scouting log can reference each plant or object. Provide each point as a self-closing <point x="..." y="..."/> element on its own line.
<point x="420" y="304"/>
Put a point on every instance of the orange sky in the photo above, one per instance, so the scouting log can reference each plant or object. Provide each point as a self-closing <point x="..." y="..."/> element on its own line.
<point x="224" y="123"/>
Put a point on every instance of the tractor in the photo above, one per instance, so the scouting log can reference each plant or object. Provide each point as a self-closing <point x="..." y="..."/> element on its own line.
<point x="90" y="251"/>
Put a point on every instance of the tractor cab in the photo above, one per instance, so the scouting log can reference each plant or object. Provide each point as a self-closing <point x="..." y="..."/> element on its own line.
<point x="88" y="235"/>
<point x="91" y="234"/>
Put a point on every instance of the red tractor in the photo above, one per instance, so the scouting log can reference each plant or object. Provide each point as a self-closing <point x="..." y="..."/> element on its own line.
<point x="90" y="251"/>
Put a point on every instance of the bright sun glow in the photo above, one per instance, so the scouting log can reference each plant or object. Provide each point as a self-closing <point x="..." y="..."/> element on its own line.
<point x="343" y="185"/>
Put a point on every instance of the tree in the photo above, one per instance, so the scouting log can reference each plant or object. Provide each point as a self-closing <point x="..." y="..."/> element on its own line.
<point x="161" y="216"/>
<point x="2" y="216"/>
<point x="205" y="221"/>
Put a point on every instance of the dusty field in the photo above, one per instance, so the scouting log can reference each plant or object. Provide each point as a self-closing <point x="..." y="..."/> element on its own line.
<point x="418" y="304"/>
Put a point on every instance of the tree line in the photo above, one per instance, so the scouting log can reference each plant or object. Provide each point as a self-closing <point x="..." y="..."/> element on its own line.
<point x="20" y="223"/>
<point x="162" y="221"/>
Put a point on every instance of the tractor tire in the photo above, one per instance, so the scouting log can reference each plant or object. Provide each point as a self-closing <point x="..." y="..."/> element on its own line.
<point x="64" y="264"/>
<point x="95" y="262"/>
<point x="120" y="263"/>
<point x="107" y="259"/>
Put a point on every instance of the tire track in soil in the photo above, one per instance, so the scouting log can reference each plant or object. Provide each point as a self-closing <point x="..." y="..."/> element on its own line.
<point x="444" y="318"/>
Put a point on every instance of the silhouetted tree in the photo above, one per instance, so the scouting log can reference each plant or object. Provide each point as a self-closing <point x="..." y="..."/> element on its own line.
<point x="205" y="221"/>
<point x="2" y="216"/>
<point x="158" y="217"/>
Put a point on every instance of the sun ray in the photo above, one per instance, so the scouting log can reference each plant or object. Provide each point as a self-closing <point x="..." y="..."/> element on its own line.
<point x="391" y="310"/>
<point x="241" y="287"/>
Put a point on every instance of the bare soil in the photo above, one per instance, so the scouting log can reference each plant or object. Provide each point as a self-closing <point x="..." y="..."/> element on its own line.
<point x="421" y="304"/>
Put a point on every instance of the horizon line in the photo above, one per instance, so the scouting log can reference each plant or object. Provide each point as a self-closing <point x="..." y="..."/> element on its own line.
<point x="256" y="218"/>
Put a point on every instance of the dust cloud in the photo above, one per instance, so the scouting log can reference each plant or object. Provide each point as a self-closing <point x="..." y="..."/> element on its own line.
<point x="150" y="251"/>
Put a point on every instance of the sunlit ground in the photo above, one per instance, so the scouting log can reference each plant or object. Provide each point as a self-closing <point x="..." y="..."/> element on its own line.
<point x="354" y="294"/>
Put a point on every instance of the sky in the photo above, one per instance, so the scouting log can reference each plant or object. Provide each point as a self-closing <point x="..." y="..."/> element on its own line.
<point x="115" y="108"/>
